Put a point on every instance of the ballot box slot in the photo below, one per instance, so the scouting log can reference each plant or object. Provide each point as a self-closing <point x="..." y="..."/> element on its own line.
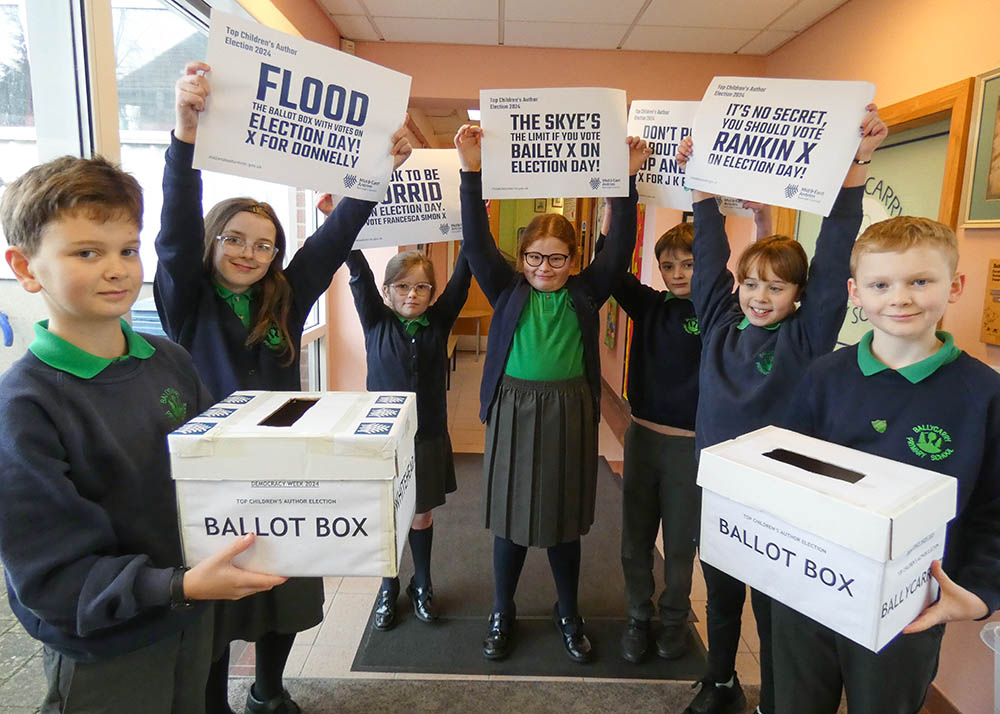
<point x="289" y="412"/>
<point x="815" y="466"/>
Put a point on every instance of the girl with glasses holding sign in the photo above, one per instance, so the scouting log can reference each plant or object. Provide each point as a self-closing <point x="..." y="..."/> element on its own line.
<point x="540" y="395"/>
<point x="406" y="339"/>
<point x="222" y="292"/>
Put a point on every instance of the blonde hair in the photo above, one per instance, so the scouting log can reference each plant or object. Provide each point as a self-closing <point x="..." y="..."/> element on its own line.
<point x="903" y="233"/>
<point x="783" y="256"/>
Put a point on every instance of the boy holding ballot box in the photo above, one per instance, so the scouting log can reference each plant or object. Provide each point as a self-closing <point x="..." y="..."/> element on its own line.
<point x="756" y="346"/>
<point x="904" y="392"/>
<point x="88" y="519"/>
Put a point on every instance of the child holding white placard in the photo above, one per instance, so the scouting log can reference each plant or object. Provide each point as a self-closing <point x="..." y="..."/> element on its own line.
<point x="756" y="346"/>
<point x="223" y="293"/>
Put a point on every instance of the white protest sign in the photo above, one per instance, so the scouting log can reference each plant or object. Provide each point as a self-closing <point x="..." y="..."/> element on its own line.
<point x="422" y="204"/>
<point x="786" y="142"/>
<point x="729" y="206"/>
<point x="291" y="111"/>
<point x="660" y="181"/>
<point x="553" y="143"/>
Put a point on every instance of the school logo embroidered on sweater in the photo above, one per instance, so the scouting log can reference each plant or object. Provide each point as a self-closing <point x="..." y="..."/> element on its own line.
<point x="879" y="425"/>
<point x="930" y="441"/>
<point x="176" y="409"/>
<point x="691" y="326"/>
<point x="765" y="361"/>
<point x="274" y="339"/>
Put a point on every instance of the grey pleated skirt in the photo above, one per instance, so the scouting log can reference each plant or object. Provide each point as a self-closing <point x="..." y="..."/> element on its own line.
<point x="540" y="461"/>
<point x="293" y="606"/>
<point x="435" y="469"/>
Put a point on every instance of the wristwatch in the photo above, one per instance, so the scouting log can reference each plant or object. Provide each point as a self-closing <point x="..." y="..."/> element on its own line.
<point x="177" y="599"/>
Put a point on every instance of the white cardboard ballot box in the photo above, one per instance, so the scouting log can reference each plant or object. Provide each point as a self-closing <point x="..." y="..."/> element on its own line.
<point x="324" y="479"/>
<point x="842" y="536"/>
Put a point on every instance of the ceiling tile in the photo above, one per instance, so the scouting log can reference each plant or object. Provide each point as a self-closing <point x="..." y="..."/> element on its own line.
<point x="806" y="13"/>
<point x="342" y="7"/>
<point x="355" y="27"/>
<point x="676" y="39"/>
<point x="460" y="32"/>
<point x="552" y="34"/>
<point x="596" y="11"/>
<point x="757" y="14"/>
<point x="766" y="42"/>
<point x="445" y="9"/>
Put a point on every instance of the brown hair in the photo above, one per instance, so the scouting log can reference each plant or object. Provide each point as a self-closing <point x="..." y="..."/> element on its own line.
<point x="401" y="263"/>
<point x="680" y="238"/>
<point x="94" y="188"/>
<point x="275" y="297"/>
<point x="783" y="256"/>
<point x="552" y="225"/>
<point x="902" y="233"/>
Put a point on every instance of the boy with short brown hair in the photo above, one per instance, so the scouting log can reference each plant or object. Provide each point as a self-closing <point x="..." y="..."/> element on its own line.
<point x="907" y="393"/>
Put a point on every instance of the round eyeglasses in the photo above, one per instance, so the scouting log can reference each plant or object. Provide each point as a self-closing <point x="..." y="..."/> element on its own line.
<point x="236" y="246"/>
<point x="555" y="260"/>
<point x="403" y="289"/>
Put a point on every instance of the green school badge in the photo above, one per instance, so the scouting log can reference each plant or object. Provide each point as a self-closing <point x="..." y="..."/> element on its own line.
<point x="930" y="442"/>
<point x="274" y="339"/>
<point x="879" y="425"/>
<point x="691" y="326"/>
<point x="765" y="361"/>
<point x="176" y="409"/>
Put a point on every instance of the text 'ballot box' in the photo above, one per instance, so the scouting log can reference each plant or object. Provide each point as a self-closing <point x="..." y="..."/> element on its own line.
<point x="325" y="480"/>
<point x="842" y="536"/>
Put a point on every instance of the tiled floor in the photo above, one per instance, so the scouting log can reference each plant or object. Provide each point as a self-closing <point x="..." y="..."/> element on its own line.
<point x="328" y="649"/>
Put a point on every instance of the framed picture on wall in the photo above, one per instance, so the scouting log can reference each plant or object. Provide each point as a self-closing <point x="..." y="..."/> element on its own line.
<point x="557" y="203"/>
<point x="539" y="205"/>
<point x="981" y="189"/>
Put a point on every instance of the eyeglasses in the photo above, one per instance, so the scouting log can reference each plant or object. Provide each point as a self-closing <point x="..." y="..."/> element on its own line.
<point x="403" y="289"/>
<point x="235" y="246"/>
<point x="555" y="260"/>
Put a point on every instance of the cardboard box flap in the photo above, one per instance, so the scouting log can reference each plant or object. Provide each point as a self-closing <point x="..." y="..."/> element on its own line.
<point x="259" y="435"/>
<point x="849" y="497"/>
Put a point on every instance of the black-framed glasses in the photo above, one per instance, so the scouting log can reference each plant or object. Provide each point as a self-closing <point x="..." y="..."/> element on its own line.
<point x="403" y="289"/>
<point x="555" y="260"/>
<point x="235" y="246"/>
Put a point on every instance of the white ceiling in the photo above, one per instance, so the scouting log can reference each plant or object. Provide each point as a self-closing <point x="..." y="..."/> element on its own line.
<point x="749" y="27"/>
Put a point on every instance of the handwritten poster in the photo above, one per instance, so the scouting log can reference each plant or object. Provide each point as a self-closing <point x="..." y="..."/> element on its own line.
<point x="553" y="143"/>
<point x="660" y="181"/>
<point x="422" y="203"/>
<point x="291" y="111"/>
<point x="786" y="142"/>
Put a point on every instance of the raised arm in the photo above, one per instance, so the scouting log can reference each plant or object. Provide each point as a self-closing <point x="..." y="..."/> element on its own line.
<point x="453" y="297"/>
<point x="487" y="263"/>
<point x="629" y="291"/>
<point x="180" y="244"/>
<point x="367" y="298"/>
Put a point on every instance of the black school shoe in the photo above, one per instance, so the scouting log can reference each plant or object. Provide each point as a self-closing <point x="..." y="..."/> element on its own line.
<point x="279" y="705"/>
<point x="385" y="608"/>
<point x="713" y="698"/>
<point x="422" y="598"/>
<point x="576" y="643"/>
<point x="500" y="638"/>
<point x="672" y="641"/>
<point x="635" y="640"/>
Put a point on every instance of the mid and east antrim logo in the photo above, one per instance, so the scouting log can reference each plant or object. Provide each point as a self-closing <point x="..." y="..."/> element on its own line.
<point x="373" y="428"/>
<point x="930" y="441"/>
<point x="390" y="399"/>
<point x="790" y="190"/>
<point x="765" y="361"/>
<point x="595" y="183"/>
<point x="691" y="326"/>
<point x="350" y="180"/>
<point x="444" y="228"/>
<point x="176" y="409"/>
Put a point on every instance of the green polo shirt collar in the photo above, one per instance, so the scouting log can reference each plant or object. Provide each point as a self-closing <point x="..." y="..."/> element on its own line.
<point x="745" y="323"/>
<point x="668" y="296"/>
<point x="411" y="326"/>
<point x="916" y="372"/>
<point x="67" y="357"/>
<point x="238" y="302"/>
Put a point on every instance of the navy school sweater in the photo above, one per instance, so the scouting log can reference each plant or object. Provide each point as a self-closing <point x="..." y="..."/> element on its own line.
<point x="88" y="518"/>
<point x="946" y="420"/>
<point x="398" y="361"/>
<point x="508" y="291"/>
<point x="749" y="375"/>
<point x="665" y="354"/>
<point x="193" y="314"/>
